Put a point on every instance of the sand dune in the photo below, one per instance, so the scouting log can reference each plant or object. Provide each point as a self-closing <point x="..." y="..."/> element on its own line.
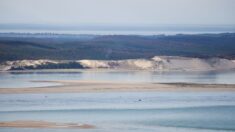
<point x="166" y="63"/>
<point x="157" y="63"/>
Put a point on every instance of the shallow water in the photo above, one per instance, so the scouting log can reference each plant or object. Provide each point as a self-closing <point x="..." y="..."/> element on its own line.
<point x="122" y="111"/>
<point x="22" y="79"/>
<point x="125" y="111"/>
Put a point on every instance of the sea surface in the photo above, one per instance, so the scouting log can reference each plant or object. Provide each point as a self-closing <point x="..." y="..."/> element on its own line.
<point x="127" y="112"/>
<point x="121" y="111"/>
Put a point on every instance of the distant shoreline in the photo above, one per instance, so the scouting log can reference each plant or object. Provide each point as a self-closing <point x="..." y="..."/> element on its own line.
<point x="126" y="33"/>
<point x="109" y="70"/>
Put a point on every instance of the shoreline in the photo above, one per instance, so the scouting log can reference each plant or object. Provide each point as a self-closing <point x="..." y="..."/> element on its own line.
<point x="102" y="86"/>
<point x="115" y="70"/>
<point x="112" y="70"/>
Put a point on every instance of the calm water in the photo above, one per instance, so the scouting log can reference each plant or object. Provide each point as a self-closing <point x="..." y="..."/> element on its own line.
<point x="157" y="111"/>
<point x="19" y="80"/>
<point x="122" y="111"/>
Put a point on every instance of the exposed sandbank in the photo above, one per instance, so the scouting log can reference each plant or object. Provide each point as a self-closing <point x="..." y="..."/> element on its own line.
<point x="99" y="86"/>
<point x="44" y="124"/>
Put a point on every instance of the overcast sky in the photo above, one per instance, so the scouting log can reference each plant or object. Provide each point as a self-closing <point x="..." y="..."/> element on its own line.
<point x="118" y="12"/>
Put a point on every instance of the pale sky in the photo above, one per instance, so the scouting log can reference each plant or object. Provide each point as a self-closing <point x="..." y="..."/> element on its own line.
<point x="117" y="12"/>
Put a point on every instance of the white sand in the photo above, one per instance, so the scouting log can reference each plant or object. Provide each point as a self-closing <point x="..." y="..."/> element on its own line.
<point x="157" y="63"/>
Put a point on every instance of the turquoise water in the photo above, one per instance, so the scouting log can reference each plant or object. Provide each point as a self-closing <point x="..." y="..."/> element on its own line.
<point x="157" y="111"/>
<point x="23" y="79"/>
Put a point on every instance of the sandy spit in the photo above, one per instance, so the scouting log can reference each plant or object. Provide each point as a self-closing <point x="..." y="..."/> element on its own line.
<point x="44" y="124"/>
<point x="96" y="86"/>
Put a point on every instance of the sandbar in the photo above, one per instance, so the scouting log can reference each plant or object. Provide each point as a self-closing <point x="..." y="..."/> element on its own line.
<point x="43" y="124"/>
<point x="102" y="86"/>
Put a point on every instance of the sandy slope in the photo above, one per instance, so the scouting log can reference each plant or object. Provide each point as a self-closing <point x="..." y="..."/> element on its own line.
<point x="158" y="63"/>
<point x="168" y="63"/>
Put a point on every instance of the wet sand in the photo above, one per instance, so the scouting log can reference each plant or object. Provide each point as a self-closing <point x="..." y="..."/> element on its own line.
<point x="99" y="86"/>
<point x="44" y="124"/>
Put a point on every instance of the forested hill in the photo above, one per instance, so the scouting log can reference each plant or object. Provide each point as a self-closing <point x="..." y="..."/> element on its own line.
<point x="14" y="46"/>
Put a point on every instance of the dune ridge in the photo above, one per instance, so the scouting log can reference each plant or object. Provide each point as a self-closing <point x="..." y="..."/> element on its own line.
<point x="158" y="63"/>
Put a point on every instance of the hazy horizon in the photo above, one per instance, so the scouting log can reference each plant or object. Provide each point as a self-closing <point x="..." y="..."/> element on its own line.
<point x="107" y="15"/>
<point x="117" y="29"/>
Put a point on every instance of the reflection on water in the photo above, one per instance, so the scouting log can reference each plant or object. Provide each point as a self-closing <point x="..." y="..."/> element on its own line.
<point x="22" y="79"/>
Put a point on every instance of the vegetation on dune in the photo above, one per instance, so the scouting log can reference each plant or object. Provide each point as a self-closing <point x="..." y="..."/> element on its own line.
<point x="75" y="47"/>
